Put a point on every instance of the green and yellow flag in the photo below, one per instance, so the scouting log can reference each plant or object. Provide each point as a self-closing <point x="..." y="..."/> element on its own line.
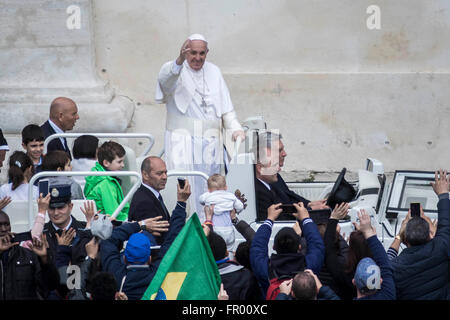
<point x="188" y="270"/>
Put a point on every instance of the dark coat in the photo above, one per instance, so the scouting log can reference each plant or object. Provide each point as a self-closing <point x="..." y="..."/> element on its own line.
<point x="23" y="277"/>
<point x="264" y="199"/>
<point x="335" y="263"/>
<point x="145" y="205"/>
<point x="286" y="196"/>
<point x="77" y="250"/>
<point x="239" y="282"/>
<point x="55" y="144"/>
<point x="421" y="272"/>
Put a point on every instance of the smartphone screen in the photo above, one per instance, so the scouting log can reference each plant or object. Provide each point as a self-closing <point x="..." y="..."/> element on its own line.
<point x="23" y="236"/>
<point x="415" y="209"/>
<point x="43" y="187"/>
<point x="181" y="182"/>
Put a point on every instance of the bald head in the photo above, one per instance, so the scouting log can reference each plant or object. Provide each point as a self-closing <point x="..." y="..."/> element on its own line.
<point x="154" y="172"/>
<point x="5" y="225"/>
<point x="64" y="113"/>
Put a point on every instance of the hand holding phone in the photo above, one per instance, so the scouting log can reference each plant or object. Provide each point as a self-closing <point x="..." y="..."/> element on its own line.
<point x="43" y="187"/>
<point x="288" y="208"/>
<point x="415" y="209"/>
<point x="181" y="182"/>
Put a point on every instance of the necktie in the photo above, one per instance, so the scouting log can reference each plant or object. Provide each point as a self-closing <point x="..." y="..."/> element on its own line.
<point x="163" y="206"/>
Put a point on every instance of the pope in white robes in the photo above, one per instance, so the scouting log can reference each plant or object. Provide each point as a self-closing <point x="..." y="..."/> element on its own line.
<point x="199" y="107"/>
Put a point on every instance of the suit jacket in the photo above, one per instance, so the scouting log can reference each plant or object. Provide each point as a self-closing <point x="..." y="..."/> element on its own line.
<point x="145" y="205"/>
<point x="287" y="196"/>
<point x="55" y="144"/>
<point x="264" y="199"/>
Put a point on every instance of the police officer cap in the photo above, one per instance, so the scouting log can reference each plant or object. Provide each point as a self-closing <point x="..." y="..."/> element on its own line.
<point x="60" y="195"/>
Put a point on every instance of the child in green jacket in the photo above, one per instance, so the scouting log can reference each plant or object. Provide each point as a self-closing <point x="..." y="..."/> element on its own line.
<point x="106" y="191"/>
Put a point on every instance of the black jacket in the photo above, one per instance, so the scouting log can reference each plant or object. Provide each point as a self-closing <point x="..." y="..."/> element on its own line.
<point x="23" y="277"/>
<point x="239" y="282"/>
<point x="286" y="196"/>
<point x="145" y="205"/>
<point x="421" y="272"/>
<point x="341" y="281"/>
<point x="264" y="199"/>
<point x="55" y="144"/>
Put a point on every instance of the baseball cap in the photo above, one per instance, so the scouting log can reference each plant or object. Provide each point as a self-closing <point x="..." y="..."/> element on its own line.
<point x="60" y="195"/>
<point x="138" y="248"/>
<point x="367" y="276"/>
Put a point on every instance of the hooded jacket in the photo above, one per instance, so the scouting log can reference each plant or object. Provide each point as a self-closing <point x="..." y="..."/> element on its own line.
<point x="259" y="259"/>
<point x="107" y="193"/>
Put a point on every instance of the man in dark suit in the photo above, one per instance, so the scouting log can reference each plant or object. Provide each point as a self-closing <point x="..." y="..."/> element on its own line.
<point x="147" y="202"/>
<point x="270" y="187"/>
<point x="282" y="190"/>
<point x="63" y="115"/>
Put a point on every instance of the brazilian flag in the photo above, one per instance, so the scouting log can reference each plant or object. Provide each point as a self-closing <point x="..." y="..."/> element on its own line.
<point x="188" y="270"/>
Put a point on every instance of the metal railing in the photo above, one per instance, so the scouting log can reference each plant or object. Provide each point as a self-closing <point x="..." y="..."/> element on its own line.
<point x="104" y="135"/>
<point x="82" y="173"/>
<point x="172" y="173"/>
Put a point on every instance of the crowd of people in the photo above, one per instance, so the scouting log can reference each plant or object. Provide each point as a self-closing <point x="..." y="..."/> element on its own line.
<point x="106" y="258"/>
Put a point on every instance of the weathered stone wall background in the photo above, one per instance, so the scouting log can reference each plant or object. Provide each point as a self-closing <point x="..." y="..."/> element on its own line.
<point x="337" y="91"/>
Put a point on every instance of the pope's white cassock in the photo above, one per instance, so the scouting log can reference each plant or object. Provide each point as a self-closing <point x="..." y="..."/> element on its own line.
<point x="198" y="108"/>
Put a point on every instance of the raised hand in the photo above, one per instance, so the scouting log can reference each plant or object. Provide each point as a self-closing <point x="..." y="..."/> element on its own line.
<point x="302" y="212"/>
<point x="365" y="225"/>
<point x="274" y="211"/>
<point x="222" y="293"/>
<point x="39" y="247"/>
<point x="241" y="197"/>
<point x="43" y="203"/>
<point x="155" y="225"/>
<point x="4" y="202"/>
<point x="441" y="182"/>
<point x="340" y="211"/>
<point x="5" y="243"/>
<point x="185" y="48"/>
<point x="183" y="194"/>
<point x="92" y="248"/>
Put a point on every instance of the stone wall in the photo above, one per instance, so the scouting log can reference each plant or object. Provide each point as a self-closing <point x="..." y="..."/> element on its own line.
<point x="337" y="90"/>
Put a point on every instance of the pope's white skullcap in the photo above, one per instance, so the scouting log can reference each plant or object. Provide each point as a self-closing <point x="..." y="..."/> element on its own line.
<point x="197" y="36"/>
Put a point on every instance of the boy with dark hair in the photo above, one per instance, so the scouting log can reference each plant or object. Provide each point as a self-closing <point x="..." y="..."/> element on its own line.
<point x="58" y="160"/>
<point x="33" y="143"/>
<point x="106" y="191"/>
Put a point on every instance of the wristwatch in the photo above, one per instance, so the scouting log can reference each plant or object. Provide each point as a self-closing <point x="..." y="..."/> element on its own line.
<point x="143" y="226"/>
<point x="235" y="221"/>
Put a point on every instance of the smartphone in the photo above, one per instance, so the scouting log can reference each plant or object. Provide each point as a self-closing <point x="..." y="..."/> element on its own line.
<point x="23" y="236"/>
<point x="181" y="182"/>
<point x="288" y="208"/>
<point x="43" y="187"/>
<point x="415" y="209"/>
